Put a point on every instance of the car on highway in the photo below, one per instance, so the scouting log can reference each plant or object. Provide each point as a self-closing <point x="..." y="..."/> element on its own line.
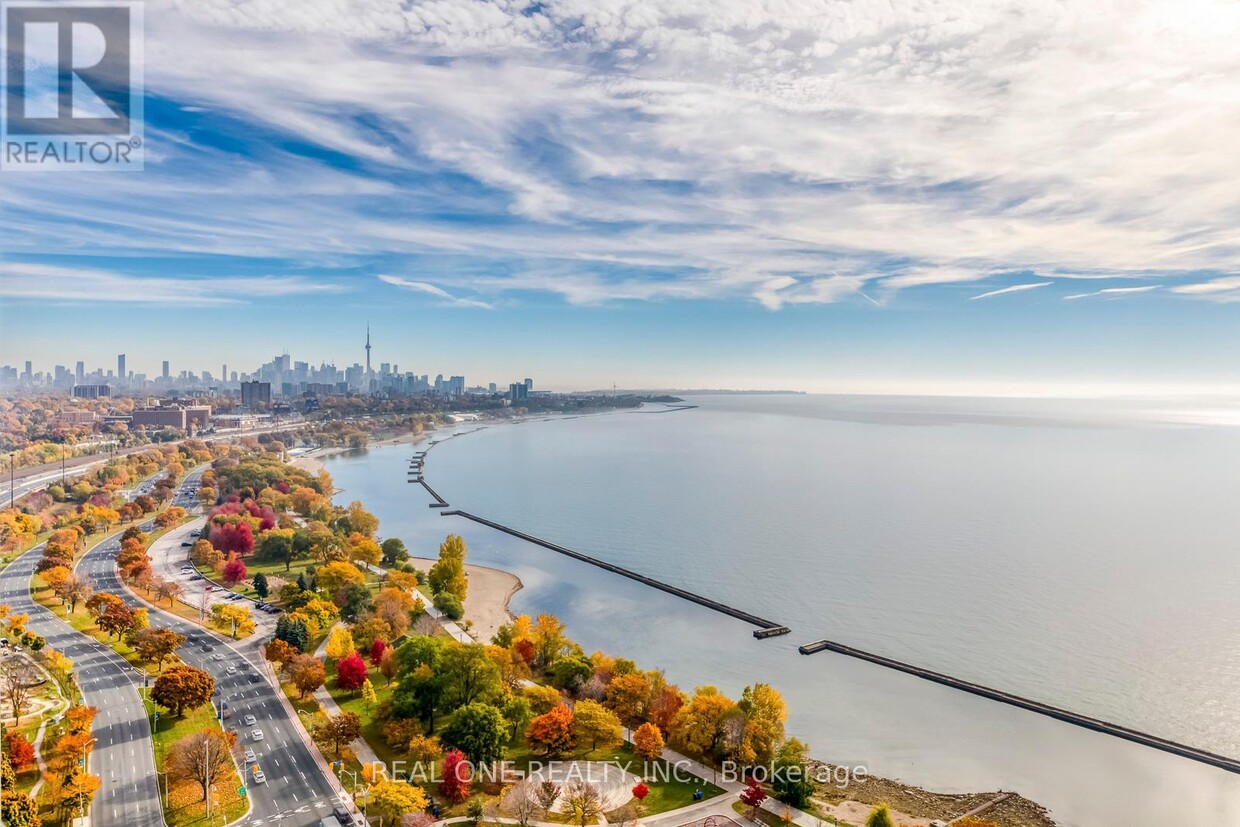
<point x="186" y="545"/>
<point x="218" y="656"/>
<point x="257" y="735"/>
<point x="342" y="814"/>
<point x="260" y="777"/>
<point x="232" y="670"/>
<point x="249" y="755"/>
<point x="249" y="720"/>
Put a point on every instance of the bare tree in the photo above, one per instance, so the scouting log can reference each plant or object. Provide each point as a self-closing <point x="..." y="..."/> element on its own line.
<point x="168" y="590"/>
<point x="18" y="678"/>
<point x="426" y="625"/>
<point x="522" y="802"/>
<point x="584" y="803"/>
<point x="546" y="793"/>
<point x="201" y="757"/>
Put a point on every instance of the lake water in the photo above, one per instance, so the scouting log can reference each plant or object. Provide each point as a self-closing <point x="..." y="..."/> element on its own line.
<point x="1083" y="554"/>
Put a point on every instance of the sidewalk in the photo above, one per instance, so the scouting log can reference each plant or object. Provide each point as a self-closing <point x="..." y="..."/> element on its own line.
<point x="360" y="748"/>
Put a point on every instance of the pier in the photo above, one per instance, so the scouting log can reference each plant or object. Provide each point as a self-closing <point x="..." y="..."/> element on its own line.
<point x="1094" y="724"/>
<point x="766" y="628"/>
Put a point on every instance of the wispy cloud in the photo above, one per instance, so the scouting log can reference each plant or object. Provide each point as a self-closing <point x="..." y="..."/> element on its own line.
<point x="444" y="296"/>
<point x="1114" y="292"/>
<point x="1015" y="288"/>
<point x="72" y="284"/>
<point x="1223" y="289"/>
<point x="747" y="148"/>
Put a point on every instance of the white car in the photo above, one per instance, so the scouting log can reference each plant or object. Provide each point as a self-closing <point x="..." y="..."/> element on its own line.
<point x="249" y="755"/>
<point x="257" y="735"/>
<point x="249" y="720"/>
<point x="260" y="777"/>
<point x="217" y="656"/>
<point x="232" y="670"/>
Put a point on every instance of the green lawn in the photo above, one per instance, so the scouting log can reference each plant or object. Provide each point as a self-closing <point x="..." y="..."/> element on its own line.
<point x="372" y="729"/>
<point x="183" y="804"/>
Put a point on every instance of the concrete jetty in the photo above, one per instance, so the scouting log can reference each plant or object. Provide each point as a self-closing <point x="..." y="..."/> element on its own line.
<point x="766" y="628"/>
<point x="1067" y="716"/>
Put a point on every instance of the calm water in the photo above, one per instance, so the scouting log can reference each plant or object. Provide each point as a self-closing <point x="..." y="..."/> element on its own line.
<point x="1081" y="554"/>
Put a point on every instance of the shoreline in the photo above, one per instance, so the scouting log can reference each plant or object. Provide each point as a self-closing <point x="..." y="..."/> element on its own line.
<point x="487" y="606"/>
<point x="487" y="599"/>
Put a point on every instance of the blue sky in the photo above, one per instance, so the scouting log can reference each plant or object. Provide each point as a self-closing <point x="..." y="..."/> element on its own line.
<point x="1021" y="198"/>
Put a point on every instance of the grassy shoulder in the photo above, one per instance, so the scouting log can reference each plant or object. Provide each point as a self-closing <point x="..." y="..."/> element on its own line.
<point x="182" y="800"/>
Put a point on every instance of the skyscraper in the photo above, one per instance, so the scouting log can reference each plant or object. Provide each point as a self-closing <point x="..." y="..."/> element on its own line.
<point x="120" y="369"/>
<point x="80" y="372"/>
<point x="165" y="368"/>
<point x="368" y="371"/>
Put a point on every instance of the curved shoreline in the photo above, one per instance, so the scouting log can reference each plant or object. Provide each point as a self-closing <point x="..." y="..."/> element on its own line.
<point x="488" y="597"/>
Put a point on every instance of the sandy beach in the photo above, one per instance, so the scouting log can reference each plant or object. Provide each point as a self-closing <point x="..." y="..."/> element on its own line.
<point x="486" y="601"/>
<point x="312" y="460"/>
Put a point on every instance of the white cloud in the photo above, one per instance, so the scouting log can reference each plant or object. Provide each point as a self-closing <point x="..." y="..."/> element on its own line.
<point x="743" y="149"/>
<point x="69" y="284"/>
<point x="1015" y="288"/>
<point x="1114" y="292"/>
<point x="431" y="290"/>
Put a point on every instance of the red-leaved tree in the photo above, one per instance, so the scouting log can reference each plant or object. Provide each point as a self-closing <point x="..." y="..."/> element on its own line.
<point x="376" y="651"/>
<point x="457" y="777"/>
<point x="753" y="796"/>
<point x="235" y="536"/>
<point x="351" y="672"/>
<point x="19" y="750"/>
<point x="234" y="571"/>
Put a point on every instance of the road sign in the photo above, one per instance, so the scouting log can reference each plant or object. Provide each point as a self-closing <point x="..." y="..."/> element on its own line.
<point x="241" y="791"/>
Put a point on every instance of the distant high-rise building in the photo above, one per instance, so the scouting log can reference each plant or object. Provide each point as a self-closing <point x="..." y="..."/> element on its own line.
<point x="224" y="373"/>
<point x="529" y="384"/>
<point x="368" y="371"/>
<point x="91" y="391"/>
<point x="491" y="387"/>
<point x="254" y="394"/>
<point x="120" y="369"/>
<point x="166" y="369"/>
<point x="79" y="372"/>
<point x="29" y="370"/>
<point x="518" y="392"/>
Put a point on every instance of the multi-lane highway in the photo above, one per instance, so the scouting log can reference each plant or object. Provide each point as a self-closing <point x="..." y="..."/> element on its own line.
<point x="298" y="790"/>
<point x="122" y="755"/>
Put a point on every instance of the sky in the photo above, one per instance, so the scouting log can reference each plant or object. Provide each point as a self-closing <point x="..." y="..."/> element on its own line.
<point x="1024" y="197"/>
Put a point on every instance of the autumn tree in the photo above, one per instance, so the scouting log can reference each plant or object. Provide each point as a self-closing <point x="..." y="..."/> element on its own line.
<point x="552" y="734"/>
<point x="234" y="571"/>
<point x="457" y="777"/>
<point x="648" y="741"/>
<point x="880" y="816"/>
<point x="339" y="643"/>
<point x="394" y="552"/>
<point x="752" y="796"/>
<point x="583" y="802"/>
<point x="19" y="751"/>
<point x="448" y="573"/>
<point x="627" y="696"/>
<point x="351" y="672"/>
<point x="765" y="713"/>
<point x="598" y="725"/>
<point x="117" y="620"/>
<point x="230" y="616"/>
<point x="202" y="757"/>
<point x="336" y="730"/>
<point x="182" y="687"/>
<point x="392" y="799"/>
<point x="307" y="674"/>
<point x="699" y="726"/>
<point x="279" y="652"/>
<point x="168" y="590"/>
<point x="156" y="645"/>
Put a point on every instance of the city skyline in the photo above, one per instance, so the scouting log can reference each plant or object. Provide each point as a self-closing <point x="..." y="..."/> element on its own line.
<point x="730" y="196"/>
